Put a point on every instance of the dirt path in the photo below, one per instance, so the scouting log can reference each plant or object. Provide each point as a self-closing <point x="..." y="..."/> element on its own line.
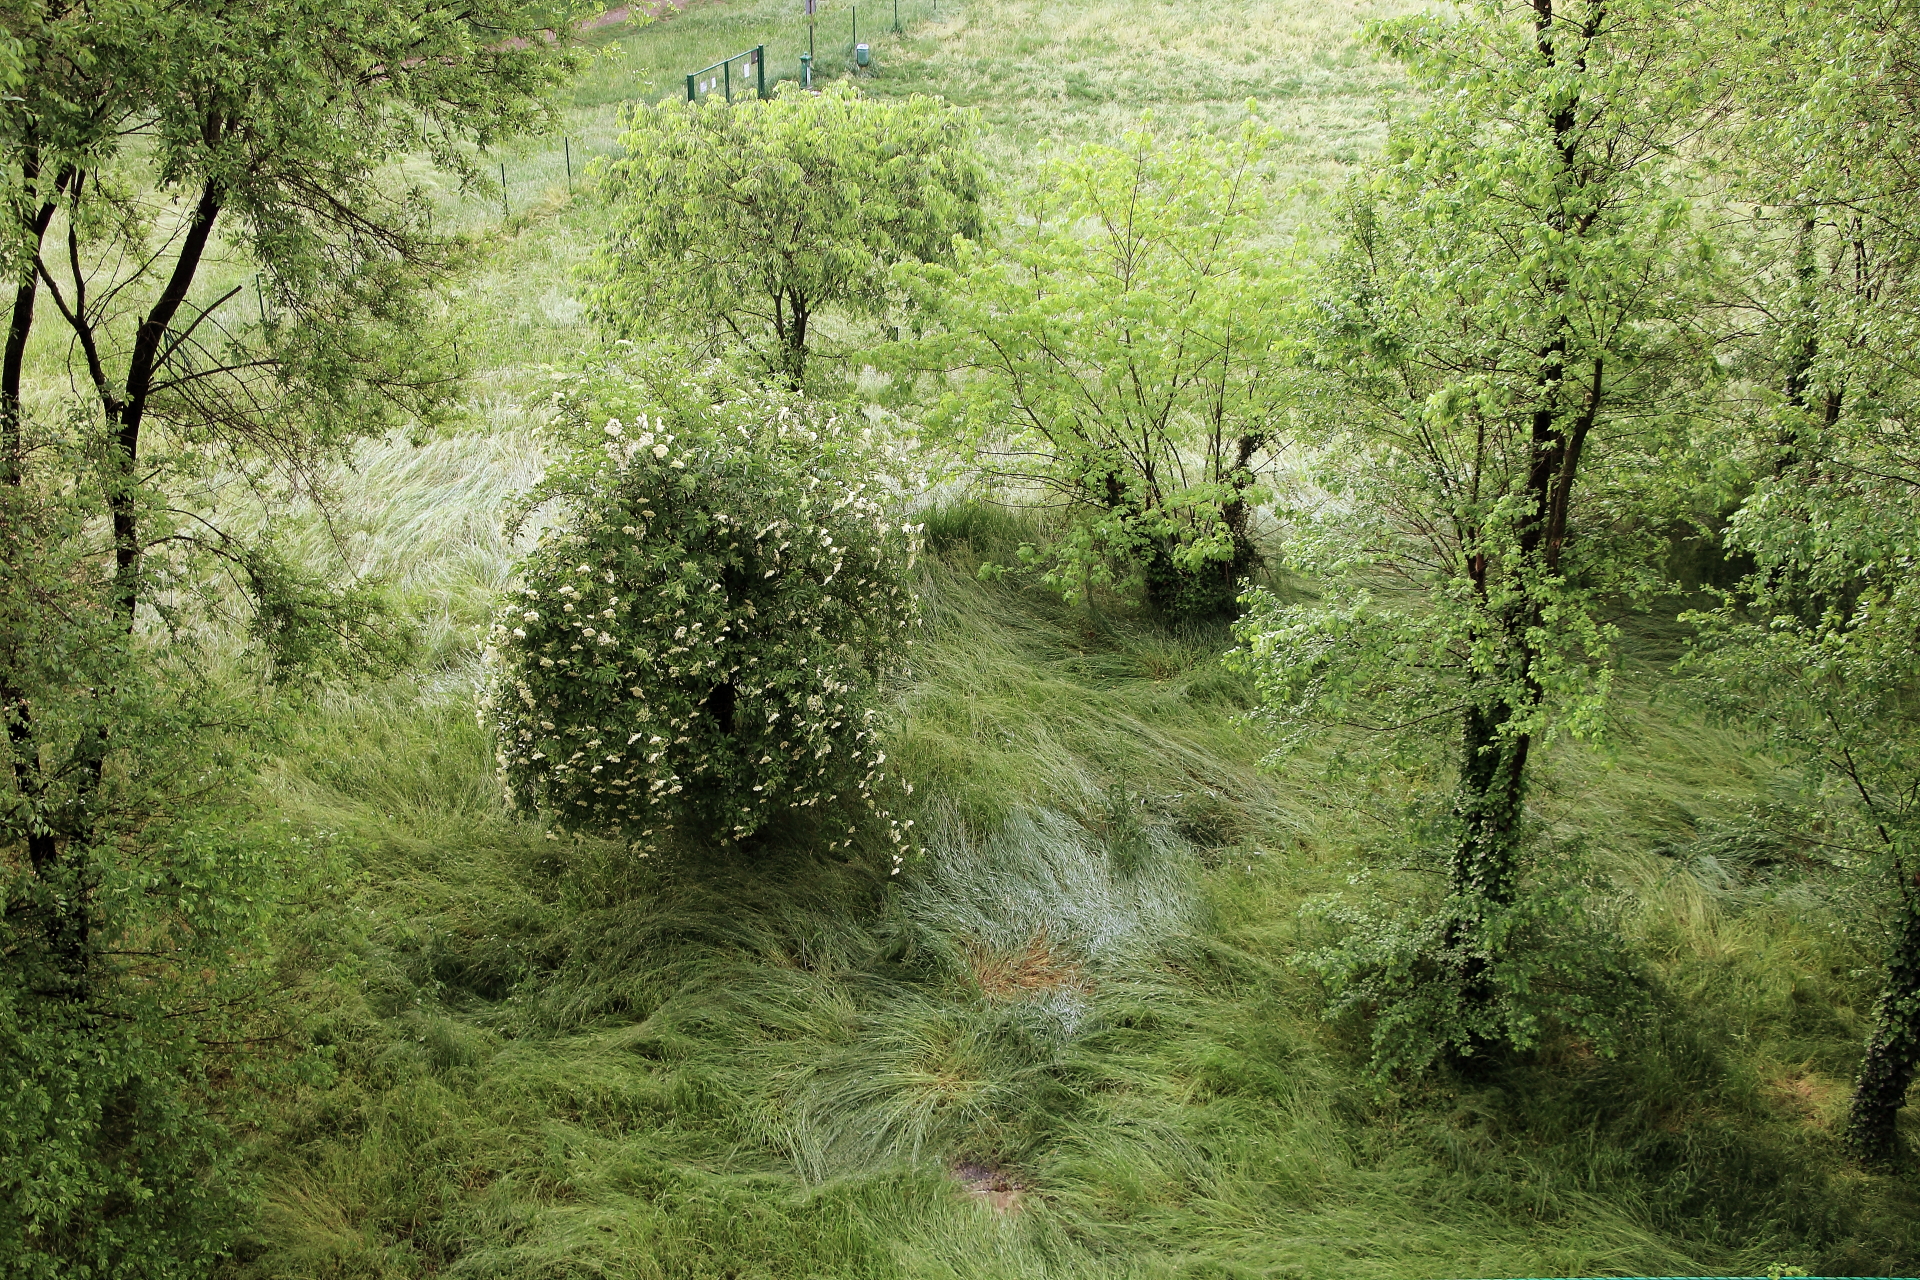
<point x="614" y="17"/>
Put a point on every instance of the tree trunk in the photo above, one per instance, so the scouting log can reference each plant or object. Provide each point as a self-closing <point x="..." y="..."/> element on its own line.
<point x="126" y="408"/>
<point x="34" y="222"/>
<point x="1489" y="803"/>
<point x="65" y="931"/>
<point x="1893" y="1050"/>
<point x="793" y="344"/>
<point x="1210" y="592"/>
<point x="1484" y="872"/>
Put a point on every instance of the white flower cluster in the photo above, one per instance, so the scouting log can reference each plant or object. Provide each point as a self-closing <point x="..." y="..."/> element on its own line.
<point x="706" y="639"/>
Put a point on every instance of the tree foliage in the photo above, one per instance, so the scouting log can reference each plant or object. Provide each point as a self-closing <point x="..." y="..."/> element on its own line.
<point x="158" y="165"/>
<point x="1116" y="349"/>
<point x="1817" y="645"/>
<point x="1507" y="343"/>
<point x="744" y="224"/>
<point x="133" y="949"/>
<point x="703" y="638"/>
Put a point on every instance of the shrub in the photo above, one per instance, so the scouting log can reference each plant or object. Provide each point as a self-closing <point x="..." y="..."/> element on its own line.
<point x="704" y="634"/>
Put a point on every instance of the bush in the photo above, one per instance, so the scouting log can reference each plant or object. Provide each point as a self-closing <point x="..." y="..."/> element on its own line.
<point x="704" y="635"/>
<point x="116" y="1154"/>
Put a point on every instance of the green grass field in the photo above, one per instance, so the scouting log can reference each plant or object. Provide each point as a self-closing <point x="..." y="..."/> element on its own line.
<point x="1071" y="1041"/>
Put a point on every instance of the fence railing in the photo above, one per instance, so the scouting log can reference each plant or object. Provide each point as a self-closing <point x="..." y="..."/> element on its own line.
<point x="755" y="58"/>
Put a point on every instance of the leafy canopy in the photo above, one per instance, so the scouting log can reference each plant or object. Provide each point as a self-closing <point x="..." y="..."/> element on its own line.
<point x="213" y="286"/>
<point x="1816" y="645"/>
<point x="1117" y="351"/>
<point x="744" y="224"/>
<point x="1506" y="347"/>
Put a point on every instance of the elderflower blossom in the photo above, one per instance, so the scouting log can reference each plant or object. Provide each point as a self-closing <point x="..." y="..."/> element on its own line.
<point x="696" y="652"/>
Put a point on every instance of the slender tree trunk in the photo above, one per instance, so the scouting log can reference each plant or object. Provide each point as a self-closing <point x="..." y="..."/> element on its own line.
<point x="1235" y="514"/>
<point x="15" y="708"/>
<point x="1893" y="1050"/>
<point x="795" y="346"/>
<point x="126" y="410"/>
<point x="1803" y="344"/>
<point x="34" y="222"/>
<point x="1490" y="802"/>
<point x="1484" y="873"/>
<point x="1493" y="760"/>
<point x="61" y="845"/>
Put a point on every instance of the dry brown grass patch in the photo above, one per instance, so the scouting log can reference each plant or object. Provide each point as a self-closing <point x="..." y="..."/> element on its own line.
<point x="1040" y="966"/>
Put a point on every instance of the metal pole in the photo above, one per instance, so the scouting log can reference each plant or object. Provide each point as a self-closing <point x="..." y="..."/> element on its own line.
<point x="896" y="17"/>
<point x="760" y="67"/>
<point x="726" y="72"/>
<point x="689" y="88"/>
<point x="809" y="40"/>
<point x="567" y="143"/>
<point x="856" y="24"/>
<point x="504" y="211"/>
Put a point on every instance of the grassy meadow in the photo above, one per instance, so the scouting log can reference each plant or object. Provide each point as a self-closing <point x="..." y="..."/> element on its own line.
<point x="1071" y="1041"/>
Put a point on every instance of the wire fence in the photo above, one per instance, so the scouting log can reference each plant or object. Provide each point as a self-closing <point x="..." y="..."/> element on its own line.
<point x="825" y="45"/>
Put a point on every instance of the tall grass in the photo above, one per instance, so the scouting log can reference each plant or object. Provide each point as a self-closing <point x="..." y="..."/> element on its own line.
<point x="1070" y="1042"/>
<point x="552" y="1059"/>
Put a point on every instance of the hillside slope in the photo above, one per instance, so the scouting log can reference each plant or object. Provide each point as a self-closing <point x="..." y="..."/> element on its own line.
<point x="1072" y="1041"/>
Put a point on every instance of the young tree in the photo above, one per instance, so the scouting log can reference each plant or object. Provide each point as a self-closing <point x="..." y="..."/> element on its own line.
<point x="157" y="165"/>
<point x="1817" y="644"/>
<point x="744" y="223"/>
<point x="1505" y="341"/>
<point x="1118" y="352"/>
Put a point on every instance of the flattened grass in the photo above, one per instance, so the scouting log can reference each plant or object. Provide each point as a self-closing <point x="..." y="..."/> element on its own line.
<point x="548" y="1059"/>
<point x="553" y="1059"/>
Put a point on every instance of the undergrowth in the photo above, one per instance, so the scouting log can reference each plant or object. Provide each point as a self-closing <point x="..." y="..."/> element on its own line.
<point x="1072" y="1041"/>
<point x="549" y="1058"/>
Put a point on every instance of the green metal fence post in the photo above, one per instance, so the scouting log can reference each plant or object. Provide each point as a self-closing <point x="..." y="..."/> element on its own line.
<point x="856" y="24"/>
<point x="567" y="145"/>
<point x="896" y="17"/>
<point x="504" y="211"/>
<point x="760" y="67"/>
<point x="726" y="74"/>
<point x="689" y="88"/>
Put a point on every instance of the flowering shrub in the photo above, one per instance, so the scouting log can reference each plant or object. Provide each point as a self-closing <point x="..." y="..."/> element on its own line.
<point x="703" y="634"/>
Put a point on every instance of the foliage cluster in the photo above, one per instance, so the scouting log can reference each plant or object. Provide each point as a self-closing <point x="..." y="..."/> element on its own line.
<point x="745" y="225"/>
<point x="1117" y="347"/>
<point x="1815" y="646"/>
<point x="705" y="637"/>
<point x="157" y="164"/>
<point x="1509" y="346"/>
<point x="135" y="911"/>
